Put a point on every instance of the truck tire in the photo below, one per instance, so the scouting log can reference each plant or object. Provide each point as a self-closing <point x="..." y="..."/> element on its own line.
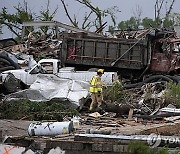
<point x="16" y="66"/>
<point x="1" y="45"/>
<point x="6" y="68"/>
<point x="153" y="78"/>
<point x="6" y="62"/>
<point x="10" y="43"/>
<point x="175" y="79"/>
<point x="156" y="78"/>
<point x="134" y="85"/>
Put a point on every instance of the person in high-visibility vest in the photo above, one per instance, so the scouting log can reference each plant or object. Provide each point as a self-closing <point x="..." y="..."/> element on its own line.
<point x="96" y="90"/>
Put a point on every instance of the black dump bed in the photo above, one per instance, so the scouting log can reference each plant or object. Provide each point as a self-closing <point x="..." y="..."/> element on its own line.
<point x="104" y="52"/>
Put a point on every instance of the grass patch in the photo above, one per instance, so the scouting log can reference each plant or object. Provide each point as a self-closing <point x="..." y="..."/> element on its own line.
<point x="173" y="93"/>
<point x="28" y="110"/>
<point x="139" y="147"/>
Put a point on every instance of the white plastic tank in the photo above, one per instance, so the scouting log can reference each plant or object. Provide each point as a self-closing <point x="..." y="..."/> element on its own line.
<point x="50" y="128"/>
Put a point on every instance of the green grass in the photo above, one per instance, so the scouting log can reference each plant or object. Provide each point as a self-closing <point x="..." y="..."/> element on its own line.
<point x="139" y="147"/>
<point x="53" y="110"/>
<point x="172" y="94"/>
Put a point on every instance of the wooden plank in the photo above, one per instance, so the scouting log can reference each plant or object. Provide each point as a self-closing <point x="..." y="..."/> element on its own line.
<point x="130" y="114"/>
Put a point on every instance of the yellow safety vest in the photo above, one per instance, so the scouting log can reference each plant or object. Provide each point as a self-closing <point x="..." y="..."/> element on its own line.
<point x="96" y="84"/>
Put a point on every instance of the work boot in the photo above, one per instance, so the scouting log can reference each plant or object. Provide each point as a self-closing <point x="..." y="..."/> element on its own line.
<point x="100" y="110"/>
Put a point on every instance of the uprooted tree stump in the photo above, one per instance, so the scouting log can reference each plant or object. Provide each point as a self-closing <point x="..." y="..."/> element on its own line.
<point x="120" y="109"/>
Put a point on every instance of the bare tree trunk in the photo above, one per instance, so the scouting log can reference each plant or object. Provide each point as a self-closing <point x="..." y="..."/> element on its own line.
<point x="158" y="7"/>
<point x="74" y="23"/>
<point x="170" y="9"/>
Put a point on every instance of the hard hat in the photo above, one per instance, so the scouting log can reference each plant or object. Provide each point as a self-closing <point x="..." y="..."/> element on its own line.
<point x="101" y="71"/>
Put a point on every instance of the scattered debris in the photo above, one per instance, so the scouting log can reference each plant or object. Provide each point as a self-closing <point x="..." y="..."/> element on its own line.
<point x="172" y="119"/>
<point x="13" y="149"/>
<point x="46" y="88"/>
<point x="49" y="91"/>
<point x="99" y="131"/>
<point x="95" y="115"/>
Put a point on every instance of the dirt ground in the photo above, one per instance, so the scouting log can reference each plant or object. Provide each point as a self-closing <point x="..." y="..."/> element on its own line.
<point x="20" y="127"/>
<point x="14" y="127"/>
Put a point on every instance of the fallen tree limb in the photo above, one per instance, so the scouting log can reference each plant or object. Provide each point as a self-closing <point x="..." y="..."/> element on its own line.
<point x="122" y="109"/>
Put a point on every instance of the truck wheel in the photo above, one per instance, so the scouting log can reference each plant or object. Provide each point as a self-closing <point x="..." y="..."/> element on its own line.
<point x="175" y="79"/>
<point x="10" y="43"/>
<point x="16" y="66"/>
<point x="156" y="78"/>
<point x="1" y="45"/>
<point x="4" y="61"/>
<point x="133" y="85"/>
<point x="6" y="68"/>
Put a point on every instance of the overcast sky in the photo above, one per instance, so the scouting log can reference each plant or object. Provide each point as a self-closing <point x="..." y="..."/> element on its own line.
<point x="127" y="7"/>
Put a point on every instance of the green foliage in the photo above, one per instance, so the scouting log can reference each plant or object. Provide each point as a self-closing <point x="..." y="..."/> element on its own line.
<point x="97" y="15"/>
<point x="17" y="18"/>
<point x="158" y="22"/>
<point x="45" y="15"/>
<point x="53" y="110"/>
<point x="115" y="92"/>
<point x="177" y="152"/>
<point x="122" y="25"/>
<point x="133" y="23"/>
<point x="111" y="29"/>
<point x="148" y="23"/>
<point x="23" y="14"/>
<point x="111" y="12"/>
<point x="138" y="147"/>
<point x="13" y="21"/>
<point x="163" y="151"/>
<point x="168" y="23"/>
<point x="40" y="56"/>
<point x="173" y="93"/>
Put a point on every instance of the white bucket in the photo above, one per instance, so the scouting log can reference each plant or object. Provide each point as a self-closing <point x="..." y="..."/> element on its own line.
<point x="76" y="122"/>
<point x="50" y="128"/>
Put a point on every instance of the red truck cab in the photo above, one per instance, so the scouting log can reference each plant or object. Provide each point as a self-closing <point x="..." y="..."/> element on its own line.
<point x="165" y="55"/>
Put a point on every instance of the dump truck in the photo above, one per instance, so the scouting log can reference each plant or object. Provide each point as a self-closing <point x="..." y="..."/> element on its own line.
<point x="151" y="56"/>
